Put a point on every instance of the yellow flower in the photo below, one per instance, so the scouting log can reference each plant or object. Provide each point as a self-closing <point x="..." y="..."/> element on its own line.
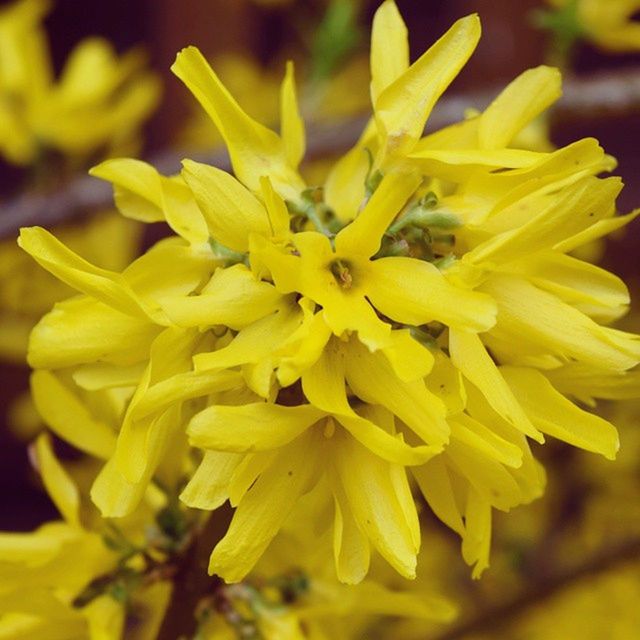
<point x="72" y="578"/>
<point x="608" y="24"/>
<point x="97" y="104"/>
<point x="411" y="316"/>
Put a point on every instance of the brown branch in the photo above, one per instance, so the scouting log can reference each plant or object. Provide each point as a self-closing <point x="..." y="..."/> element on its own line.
<point x="192" y="583"/>
<point x="497" y="617"/>
<point x="614" y="93"/>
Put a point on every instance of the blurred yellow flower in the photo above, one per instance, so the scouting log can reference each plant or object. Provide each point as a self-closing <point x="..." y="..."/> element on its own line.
<point x="95" y="107"/>
<point x="411" y="316"/>
<point x="610" y="25"/>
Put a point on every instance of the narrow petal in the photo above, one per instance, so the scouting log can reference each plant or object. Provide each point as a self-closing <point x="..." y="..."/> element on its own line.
<point x="264" y="508"/>
<point x="253" y="343"/>
<point x="231" y="211"/>
<point x="250" y="427"/>
<point x="60" y="487"/>
<point x="208" y="487"/>
<point x="372" y="379"/>
<point x="364" y="235"/>
<point x="402" y="109"/>
<point x="470" y="356"/>
<point x="67" y="416"/>
<point x="255" y="150"/>
<point x="233" y="297"/>
<point x="291" y="123"/>
<point x="324" y="386"/>
<point x="481" y="437"/>
<point x="408" y="358"/>
<point x="81" y="330"/>
<point x="530" y="315"/>
<point x="518" y="104"/>
<point x="476" y="543"/>
<point x="142" y="193"/>
<point x="368" y="486"/>
<point x="595" y="291"/>
<point x="389" y="48"/>
<point x="553" y="414"/>
<point x="136" y="188"/>
<point x="414" y="292"/>
<point x="350" y="545"/>
<point x="436" y="487"/>
<point x="182" y="387"/>
<point x="106" y="286"/>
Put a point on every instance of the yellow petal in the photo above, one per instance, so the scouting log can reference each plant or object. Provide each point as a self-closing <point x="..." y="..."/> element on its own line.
<point x="553" y="414"/>
<point x="81" y="330"/>
<point x="476" y="543"/>
<point x="532" y="316"/>
<point x="324" y="386"/>
<point x="255" y="150"/>
<point x="487" y="441"/>
<point x="264" y="508"/>
<point x="279" y="219"/>
<point x="344" y="189"/>
<point x="182" y="387"/>
<point x="364" y="235"/>
<point x="60" y="487"/>
<point x="291" y="123"/>
<point x="518" y="104"/>
<point x="106" y="617"/>
<point x="556" y="218"/>
<point x="136" y="188"/>
<point x="350" y="545"/>
<point x="302" y="348"/>
<point x="471" y="358"/>
<point x="402" y="109"/>
<point x="106" y="286"/>
<point x="415" y="292"/>
<point x="372" y="379"/>
<point x="67" y="416"/>
<point x="591" y="289"/>
<point x="208" y="487"/>
<point x="231" y="211"/>
<point x="389" y="48"/>
<point x="101" y="375"/>
<point x="408" y="358"/>
<point x="113" y="494"/>
<point x="250" y="427"/>
<point x="369" y="489"/>
<point x="141" y="193"/>
<point x="232" y="297"/>
<point x="258" y="340"/>
<point x="435" y="484"/>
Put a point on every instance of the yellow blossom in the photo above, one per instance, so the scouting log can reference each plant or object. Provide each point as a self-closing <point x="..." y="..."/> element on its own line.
<point x="410" y="316"/>
<point x="609" y="24"/>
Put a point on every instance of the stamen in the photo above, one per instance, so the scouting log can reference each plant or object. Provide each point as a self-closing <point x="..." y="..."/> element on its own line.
<point x="342" y="274"/>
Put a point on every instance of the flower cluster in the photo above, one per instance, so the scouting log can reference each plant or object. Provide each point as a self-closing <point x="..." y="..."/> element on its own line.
<point x="415" y="321"/>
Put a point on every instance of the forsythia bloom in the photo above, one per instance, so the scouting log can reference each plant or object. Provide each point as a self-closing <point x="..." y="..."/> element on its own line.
<point x="416" y="318"/>
<point x="608" y="24"/>
<point x="89" y="578"/>
<point x="97" y="104"/>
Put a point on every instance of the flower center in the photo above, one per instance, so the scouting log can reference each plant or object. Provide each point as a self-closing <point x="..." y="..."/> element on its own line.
<point x="341" y="271"/>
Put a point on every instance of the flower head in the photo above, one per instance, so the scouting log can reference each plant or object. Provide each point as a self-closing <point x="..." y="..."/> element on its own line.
<point x="411" y="316"/>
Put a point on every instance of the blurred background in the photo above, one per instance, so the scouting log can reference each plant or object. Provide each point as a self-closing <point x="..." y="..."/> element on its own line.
<point x="589" y="503"/>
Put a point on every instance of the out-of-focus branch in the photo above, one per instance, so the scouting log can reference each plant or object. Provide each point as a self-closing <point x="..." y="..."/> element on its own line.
<point x="614" y="93"/>
<point x="492" y="620"/>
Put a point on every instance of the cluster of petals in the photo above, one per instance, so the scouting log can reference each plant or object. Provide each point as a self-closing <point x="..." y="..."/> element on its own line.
<point x="410" y="326"/>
